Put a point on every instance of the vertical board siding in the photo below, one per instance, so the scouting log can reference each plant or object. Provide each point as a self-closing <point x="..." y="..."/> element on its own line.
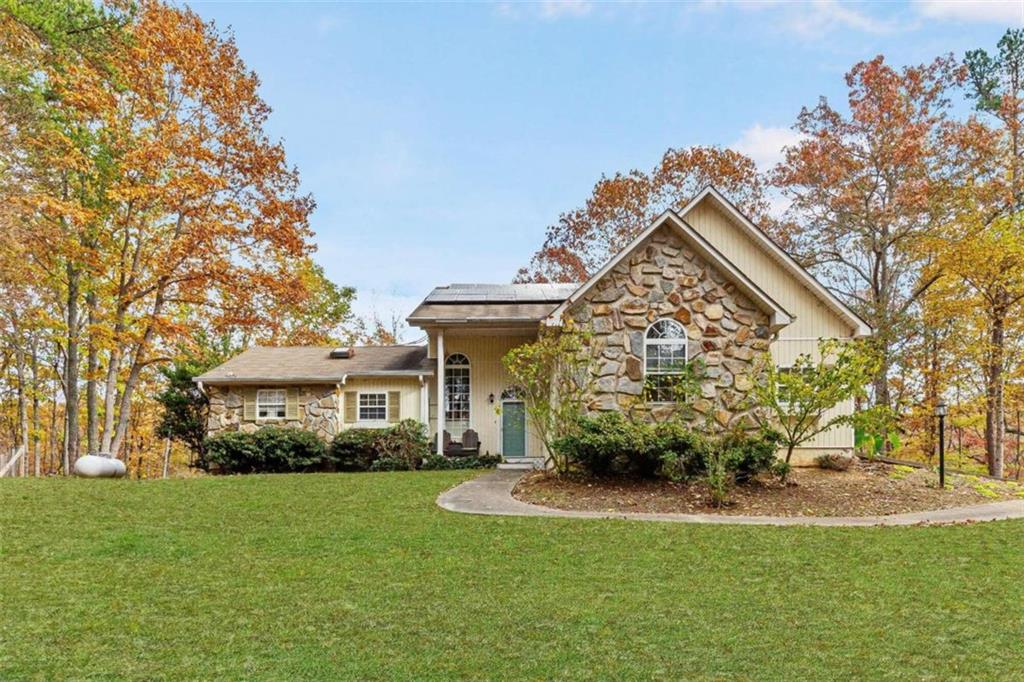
<point x="487" y="377"/>
<point x="814" y="319"/>
<point x="407" y="387"/>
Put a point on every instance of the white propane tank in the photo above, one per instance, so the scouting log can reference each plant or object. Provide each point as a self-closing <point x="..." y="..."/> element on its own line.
<point x="99" y="465"/>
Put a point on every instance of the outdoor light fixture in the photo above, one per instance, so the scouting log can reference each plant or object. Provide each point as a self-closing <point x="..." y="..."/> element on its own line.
<point x="490" y="399"/>
<point x="940" y="412"/>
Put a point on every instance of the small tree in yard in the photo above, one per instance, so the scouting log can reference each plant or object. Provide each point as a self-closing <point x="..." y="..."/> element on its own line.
<point x="553" y="374"/>
<point x="794" y="400"/>
<point x="184" y="406"/>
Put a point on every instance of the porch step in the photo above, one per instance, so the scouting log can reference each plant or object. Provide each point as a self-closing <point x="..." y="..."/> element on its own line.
<point x="521" y="463"/>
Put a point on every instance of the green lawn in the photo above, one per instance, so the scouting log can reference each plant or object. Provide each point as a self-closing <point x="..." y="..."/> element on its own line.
<point x="362" y="576"/>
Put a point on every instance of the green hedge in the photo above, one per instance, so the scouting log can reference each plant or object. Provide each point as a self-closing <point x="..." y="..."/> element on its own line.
<point x="403" y="447"/>
<point x="399" y="447"/>
<point x="268" y="450"/>
<point x="612" y="445"/>
<point x="609" y="444"/>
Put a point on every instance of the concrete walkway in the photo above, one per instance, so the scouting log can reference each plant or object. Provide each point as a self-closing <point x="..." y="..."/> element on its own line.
<point x="491" y="494"/>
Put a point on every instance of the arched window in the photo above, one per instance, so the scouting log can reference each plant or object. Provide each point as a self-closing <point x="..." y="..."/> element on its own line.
<point x="512" y="393"/>
<point x="456" y="394"/>
<point x="665" y="358"/>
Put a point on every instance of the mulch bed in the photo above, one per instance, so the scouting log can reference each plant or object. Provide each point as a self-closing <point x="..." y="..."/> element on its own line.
<point x="866" y="489"/>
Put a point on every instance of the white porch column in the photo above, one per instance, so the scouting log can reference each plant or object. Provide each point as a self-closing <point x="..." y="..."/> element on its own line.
<point x="424" y="402"/>
<point x="440" y="391"/>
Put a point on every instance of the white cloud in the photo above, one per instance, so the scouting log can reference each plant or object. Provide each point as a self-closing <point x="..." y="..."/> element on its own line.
<point x="548" y="10"/>
<point x="987" y="11"/>
<point x="811" y="19"/>
<point x="822" y="16"/>
<point x="764" y="144"/>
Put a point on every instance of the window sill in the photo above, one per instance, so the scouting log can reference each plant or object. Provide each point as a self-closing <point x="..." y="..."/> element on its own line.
<point x="368" y="424"/>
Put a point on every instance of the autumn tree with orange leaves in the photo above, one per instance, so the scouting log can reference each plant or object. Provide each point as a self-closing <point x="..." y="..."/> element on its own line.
<point x="866" y="185"/>
<point x="980" y="249"/>
<point x="622" y="205"/>
<point x="149" y="202"/>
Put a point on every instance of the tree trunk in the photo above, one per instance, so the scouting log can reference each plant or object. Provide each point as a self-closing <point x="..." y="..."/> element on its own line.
<point x="71" y="370"/>
<point x="19" y="359"/>
<point x="110" y="399"/>
<point x="52" y="445"/>
<point x="92" y="367"/>
<point x="138" y="362"/>
<point x="931" y="395"/>
<point x="167" y="456"/>
<point x="995" y="428"/>
<point x="883" y="398"/>
<point x="110" y="388"/>
<point x="36" y="424"/>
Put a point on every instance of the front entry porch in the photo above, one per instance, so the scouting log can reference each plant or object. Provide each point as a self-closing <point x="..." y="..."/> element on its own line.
<point x="475" y="394"/>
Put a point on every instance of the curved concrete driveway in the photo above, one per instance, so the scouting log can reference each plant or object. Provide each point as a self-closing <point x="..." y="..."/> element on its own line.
<point x="491" y="493"/>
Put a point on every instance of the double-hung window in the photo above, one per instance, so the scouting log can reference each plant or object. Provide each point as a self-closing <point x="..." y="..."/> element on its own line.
<point x="373" y="407"/>
<point x="271" y="403"/>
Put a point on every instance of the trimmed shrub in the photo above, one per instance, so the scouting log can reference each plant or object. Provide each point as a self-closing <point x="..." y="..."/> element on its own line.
<point x="737" y="457"/>
<point x="611" y="445"/>
<point x="268" y="450"/>
<point x="398" y="448"/>
<point x="681" y="450"/>
<point x="754" y="453"/>
<point x="355" y="449"/>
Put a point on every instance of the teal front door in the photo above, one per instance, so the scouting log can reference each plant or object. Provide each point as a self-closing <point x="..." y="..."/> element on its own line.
<point x="513" y="429"/>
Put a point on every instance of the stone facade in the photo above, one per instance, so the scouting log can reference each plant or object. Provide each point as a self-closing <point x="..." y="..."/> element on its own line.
<point x="664" y="278"/>
<point x="318" y="410"/>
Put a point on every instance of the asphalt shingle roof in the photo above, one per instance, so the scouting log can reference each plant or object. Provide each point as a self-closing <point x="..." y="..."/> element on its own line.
<point x="313" y="364"/>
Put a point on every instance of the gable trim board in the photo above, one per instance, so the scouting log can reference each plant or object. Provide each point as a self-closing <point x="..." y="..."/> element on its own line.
<point x="778" y="316"/>
<point x="860" y="328"/>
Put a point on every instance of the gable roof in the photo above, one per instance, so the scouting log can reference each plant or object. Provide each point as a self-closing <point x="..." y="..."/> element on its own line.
<point x="782" y="257"/>
<point x="778" y="316"/>
<point x="313" y="364"/>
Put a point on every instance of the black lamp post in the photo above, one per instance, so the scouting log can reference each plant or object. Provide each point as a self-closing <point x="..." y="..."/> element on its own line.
<point x="940" y="412"/>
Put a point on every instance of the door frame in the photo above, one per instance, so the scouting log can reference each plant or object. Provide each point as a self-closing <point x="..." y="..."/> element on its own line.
<point x="504" y="402"/>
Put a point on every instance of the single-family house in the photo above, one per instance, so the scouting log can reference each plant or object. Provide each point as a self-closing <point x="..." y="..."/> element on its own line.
<point x="703" y="283"/>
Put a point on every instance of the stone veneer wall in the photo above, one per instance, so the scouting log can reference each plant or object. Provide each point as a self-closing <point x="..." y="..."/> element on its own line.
<point x="318" y="410"/>
<point x="665" y="278"/>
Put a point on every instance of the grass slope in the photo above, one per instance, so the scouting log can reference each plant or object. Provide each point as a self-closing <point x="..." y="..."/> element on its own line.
<point x="362" y="576"/>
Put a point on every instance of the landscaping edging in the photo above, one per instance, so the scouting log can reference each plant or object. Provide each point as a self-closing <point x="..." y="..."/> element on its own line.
<point x="491" y="494"/>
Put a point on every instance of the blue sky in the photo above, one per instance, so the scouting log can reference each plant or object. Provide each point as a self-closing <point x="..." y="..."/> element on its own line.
<point x="439" y="140"/>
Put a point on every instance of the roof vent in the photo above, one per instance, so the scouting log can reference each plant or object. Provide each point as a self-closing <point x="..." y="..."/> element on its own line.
<point x="343" y="353"/>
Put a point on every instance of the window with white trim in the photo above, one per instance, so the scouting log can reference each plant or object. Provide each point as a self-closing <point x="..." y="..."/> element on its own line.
<point x="456" y="393"/>
<point x="373" y="407"/>
<point x="788" y="403"/>
<point x="271" y="403"/>
<point x="665" y="357"/>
